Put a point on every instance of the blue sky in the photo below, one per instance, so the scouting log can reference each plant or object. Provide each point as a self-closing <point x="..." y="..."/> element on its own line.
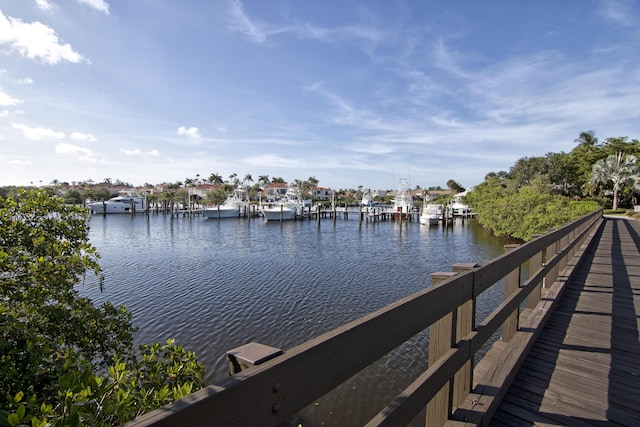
<point x="349" y="92"/>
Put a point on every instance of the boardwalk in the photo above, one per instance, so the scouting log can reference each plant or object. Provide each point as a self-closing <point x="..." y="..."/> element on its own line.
<point x="585" y="367"/>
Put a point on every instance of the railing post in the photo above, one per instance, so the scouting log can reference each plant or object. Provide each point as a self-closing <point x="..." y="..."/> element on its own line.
<point x="511" y="285"/>
<point x="441" y="338"/>
<point x="534" y="264"/>
<point x="550" y="252"/>
<point x="564" y="242"/>
<point x="465" y="322"/>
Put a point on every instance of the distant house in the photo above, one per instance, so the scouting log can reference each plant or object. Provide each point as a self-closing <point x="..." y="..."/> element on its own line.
<point x="274" y="191"/>
<point x="321" y="193"/>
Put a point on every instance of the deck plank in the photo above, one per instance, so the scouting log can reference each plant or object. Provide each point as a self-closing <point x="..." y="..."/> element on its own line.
<point x="584" y="370"/>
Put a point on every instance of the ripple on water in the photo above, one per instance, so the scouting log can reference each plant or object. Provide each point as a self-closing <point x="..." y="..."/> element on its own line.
<point x="215" y="285"/>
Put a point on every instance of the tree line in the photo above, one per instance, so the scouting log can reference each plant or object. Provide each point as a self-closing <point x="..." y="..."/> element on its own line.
<point x="538" y="193"/>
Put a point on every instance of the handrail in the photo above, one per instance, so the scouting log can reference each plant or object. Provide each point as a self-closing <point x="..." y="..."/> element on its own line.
<point x="281" y="387"/>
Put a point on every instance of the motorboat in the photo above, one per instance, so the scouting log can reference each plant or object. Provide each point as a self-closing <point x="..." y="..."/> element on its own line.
<point x="235" y="205"/>
<point x="127" y="201"/>
<point x="432" y="214"/>
<point x="458" y="208"/>
<point x="287" y="207"/>
<point x="403" y="200"/>
<point x="367" y="199"/>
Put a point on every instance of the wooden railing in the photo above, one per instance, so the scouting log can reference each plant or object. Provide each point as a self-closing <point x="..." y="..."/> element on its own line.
<point x="452" y="388"/>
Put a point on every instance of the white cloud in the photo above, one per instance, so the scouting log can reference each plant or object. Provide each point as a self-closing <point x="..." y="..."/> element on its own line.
<point x="38" y="133"/>
<point x="138" y="152"/>
<point x="191" y="132"/>
<point x="25" y="81"/>
<point x="99" y="5"/>
<point x="35" y="41"/>
<point x="44" y="4"/>
<point x="74" y="150"/>
<point x="239" y="21"/>
<point x="78" y="136"/>
<point x="374" y="149"/>
<point x="7" y="100"/>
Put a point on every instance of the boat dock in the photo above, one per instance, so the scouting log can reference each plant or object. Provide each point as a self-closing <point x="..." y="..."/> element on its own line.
<point x="318" y="212"/>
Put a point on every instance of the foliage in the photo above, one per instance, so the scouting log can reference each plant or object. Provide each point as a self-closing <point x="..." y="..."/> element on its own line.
<point x="64" y="361"/>
<point x="454" y="186"/>
<point x="531" y="209"/>
<point x="217" y="196"/>
<point x="617" y="169"/>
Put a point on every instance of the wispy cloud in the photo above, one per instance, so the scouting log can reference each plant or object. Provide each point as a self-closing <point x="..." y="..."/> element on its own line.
<point x="79" y="136"/>
<point x="191" y="132"/>
<point x="239" y="21"/>
<point x="76" y="151"/>
<point x="258" y="32"/>
<point x="35" y="41"/>
<point x="44" y="4"/>
<point x="38" y="133"/>
<point x="25" y="81"/>
<point x="138" y="152"/>
<point x="99" y="5"/>
<point x="617" y="12"/>
<point x="274" y="161"/>
<point x="7" y="100"/>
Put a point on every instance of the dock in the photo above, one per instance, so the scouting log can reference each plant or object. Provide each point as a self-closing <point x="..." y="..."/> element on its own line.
<point x="584" y="369"/>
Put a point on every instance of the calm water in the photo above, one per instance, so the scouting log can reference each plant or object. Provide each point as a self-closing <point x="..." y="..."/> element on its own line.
<point x="215" y="285"/>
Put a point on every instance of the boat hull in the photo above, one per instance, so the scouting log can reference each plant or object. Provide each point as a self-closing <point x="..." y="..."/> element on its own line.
<point x="216" y="213"/>
<point x="278" y="214"/>
<point x="113" y="208"/>
<point x="429" y="220"/>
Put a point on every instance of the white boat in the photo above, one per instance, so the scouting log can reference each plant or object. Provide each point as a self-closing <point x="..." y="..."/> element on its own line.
<point x="431" y="214"/>
<point x="403" y="200"/>
<point x="367" y="199"/>
<point x="457" y="207"/>
<point x="286" y="208"/>
<point x="125" y="202"/>
<point x="235" y="205"/>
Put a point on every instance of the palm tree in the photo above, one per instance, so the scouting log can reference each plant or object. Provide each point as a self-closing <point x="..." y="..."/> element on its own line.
<point x="248" y="178"/>
<point x="215" y="179"/>
<point x="264" y="179"/>
<point x="587" y="137"/>
<point x="313" y="181"/>
<point x="618" y="169"/>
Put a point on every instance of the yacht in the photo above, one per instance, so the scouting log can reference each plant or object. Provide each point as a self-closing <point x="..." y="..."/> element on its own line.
<point x="126" y="201"/>
<point x="286" y="208"/>
<point x="235" y="205"/>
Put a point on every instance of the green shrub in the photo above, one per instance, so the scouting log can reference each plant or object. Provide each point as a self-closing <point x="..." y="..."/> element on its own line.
<point x="64" y="361"/>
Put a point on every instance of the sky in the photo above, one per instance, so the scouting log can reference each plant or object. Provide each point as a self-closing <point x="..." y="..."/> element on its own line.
<point x="352" y="93"/>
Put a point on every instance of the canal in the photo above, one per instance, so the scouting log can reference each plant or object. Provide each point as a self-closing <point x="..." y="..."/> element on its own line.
<point x="215" y="285"/>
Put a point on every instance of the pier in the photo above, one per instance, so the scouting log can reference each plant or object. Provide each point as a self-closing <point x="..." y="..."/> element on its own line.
<point x="561" y="348"/>
<point x="584" y="368"/>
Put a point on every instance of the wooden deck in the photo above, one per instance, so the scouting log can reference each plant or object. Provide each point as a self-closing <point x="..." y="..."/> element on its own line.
<point x="584" y="369"/>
